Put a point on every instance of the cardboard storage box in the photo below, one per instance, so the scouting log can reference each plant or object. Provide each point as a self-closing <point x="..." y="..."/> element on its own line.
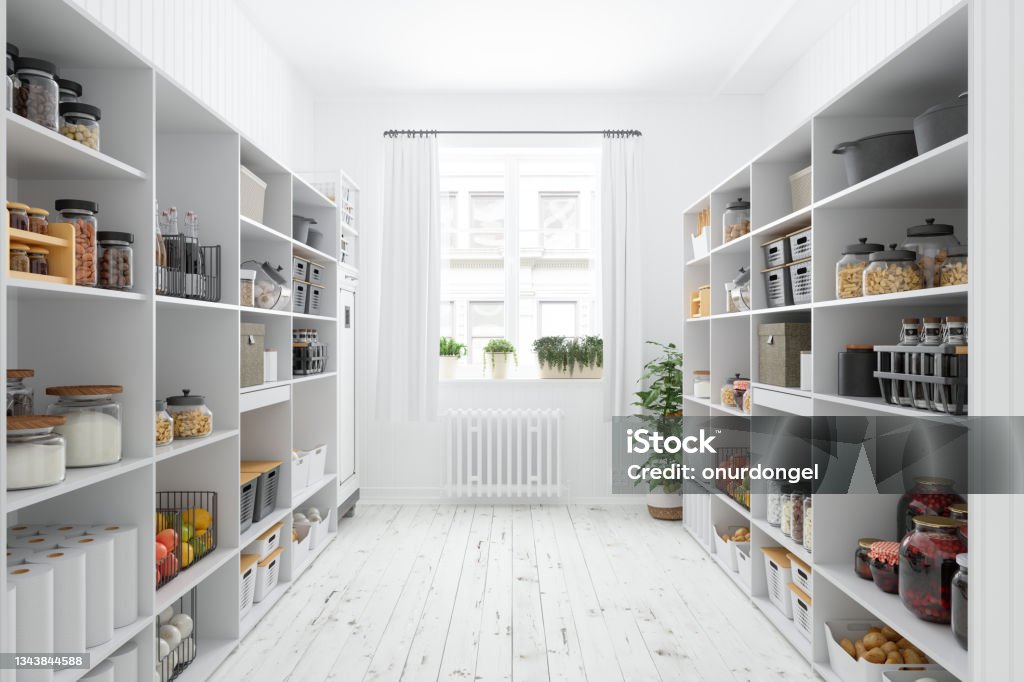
<point x="779" y="346"/>
<point x="253" y="340"/>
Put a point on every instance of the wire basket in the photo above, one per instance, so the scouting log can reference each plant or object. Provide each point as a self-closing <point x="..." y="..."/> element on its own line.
<point x="309" y="359"/>
<point x="182" y="512"/>
<point x="181" y="657"/>
<point x="192" y="271"/>
<point x="926" y="377"/>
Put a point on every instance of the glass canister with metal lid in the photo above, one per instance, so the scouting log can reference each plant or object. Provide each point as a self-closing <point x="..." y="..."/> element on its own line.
<point x="927" y="565"/>
<point x="737" y="292"/>
<point x="850" y="268"/>
<point x="735" y="220"/>
<point x="81" y="213"/>
<point x="68" y="90"/>
<point x="93" y="423"/>
<point x="38" y="95"/>
<point x="892" y="272"/>
<point x="931" y="242"/>
<point x="192" y="418"/>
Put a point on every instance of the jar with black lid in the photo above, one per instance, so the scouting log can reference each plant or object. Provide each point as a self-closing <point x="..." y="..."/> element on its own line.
<point x="862" y="559"/>
<point x="892" y="272"/>
<point x="115" y="262"/>
<point x="81" y="122"/>
<point x="857" y="372"/>
<point x="68" y="90"/>
<point x="735" y="220"/>
<point x="81" y="213"/>
<point x="931" y="242"/>
<point x="850" y="268"/>
<point x="38" y="94"/>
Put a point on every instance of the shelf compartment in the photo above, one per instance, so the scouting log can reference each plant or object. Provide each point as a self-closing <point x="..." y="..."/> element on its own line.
<point x="784" y="625"/>
<point x="956" y="295"/>
<point x="74" y="480"/>
<point x="99" y="653"/>
<point x="46" y="288"/>
<point x="257" y="529"/>
<point x="181" y="446"/>
<point x="309" y="491"/>
<point x="171" y="591"/>
<point x="314" y="554"/>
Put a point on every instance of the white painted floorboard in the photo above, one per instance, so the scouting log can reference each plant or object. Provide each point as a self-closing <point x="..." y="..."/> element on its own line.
<point x="531" y="593"/>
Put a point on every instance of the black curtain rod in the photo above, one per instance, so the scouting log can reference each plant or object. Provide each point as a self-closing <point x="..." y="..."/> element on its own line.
<point x="424" y="133"/>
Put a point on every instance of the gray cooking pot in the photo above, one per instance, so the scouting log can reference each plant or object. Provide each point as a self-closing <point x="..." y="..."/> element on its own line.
<point x="941" y="124"/>
<point x="875" y="154"/>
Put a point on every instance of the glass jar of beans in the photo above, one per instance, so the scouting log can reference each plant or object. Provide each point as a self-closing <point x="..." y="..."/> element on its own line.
<point x="81" y="213"/>
<point x="115" y="261"/>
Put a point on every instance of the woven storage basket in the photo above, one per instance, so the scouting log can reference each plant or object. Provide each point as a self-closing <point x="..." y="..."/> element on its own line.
<point x="666" y="514"/>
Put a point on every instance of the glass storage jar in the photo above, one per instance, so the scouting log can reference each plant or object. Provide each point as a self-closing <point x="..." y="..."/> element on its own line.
<point x="958" y="606"/>
<point x="35" y="453"/>
<point x="958" y="511"/>
<point x="861" y="558"/>
<point x="12" y="54"/>
<point x="740" y="387"/>
<point x="931" y="242"/>
<point x="20" y="398"/>
<point x="38" y="260"/>
<point x="955" y="332"/>
<point x="808" y="523"/>
<point x="164" y="424"/>
<point x="246" y="289"/>
<point x="68" y="90"/>
<point x="81" y="122"/>
<point x="954" y="268"/>
<point x="702" y="383"/>
<point x="850" y="268"/>
<point x="773" y="503"/>
<point x="910" y="331"/>
<point x="38" y="220"/>
<point x="115" y="261"/>
<point x="892" y="272"/>
<point x="81" y="213"/>
<point x="884" y="558"/>
<point x="19" y="257"/>
<point x="17" y="215"/>
<point x="735" y="220"/>
<point x="727" y="394"/>
<point x="796" y="517"/>
<point x="93" y="426"/>
<point x="786" y="512"/>
<point x="192" y="418"/>
<point x="929" y="496"/>
<point x="37" y="96"/>
<point x="927" y="564"/>
<point x="931" y="331"/>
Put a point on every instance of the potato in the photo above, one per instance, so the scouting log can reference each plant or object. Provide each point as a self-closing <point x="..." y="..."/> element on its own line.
<point x="910" y="656"/>
<point x="894" y="658"/>
<point x="890" y="647"/>
<point x="848" y="647"/>
<point x="875" y="655"/>
<point x="874" y="629"/>
<point x="860" y="649"/>
<point x="891" y="634"/>
<point x="874" y="640"/>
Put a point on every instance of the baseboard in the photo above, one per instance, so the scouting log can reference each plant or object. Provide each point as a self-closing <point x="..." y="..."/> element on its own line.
<point x="437" y="496"/>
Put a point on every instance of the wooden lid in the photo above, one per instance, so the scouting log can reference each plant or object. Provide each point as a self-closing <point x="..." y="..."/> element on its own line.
<point x="247" y="476"/>
<point x="798" y="561"/>
<point x="706" y="286"/>
<point x="300" y="344"/>
<point x="34" y="421"/>
<point x="798" y="262"/>
<point x="702" y="372"/>
<point x="20" y="373"/>
<point x="800" y="594"/>
<point x="778" y="555"/>
<point x="773" y="241"/>
<point x="776" y="267"/>
<point x="270" y="557"/>
<point x="259" y="466"/>
<point x="270" y="531"/>
<point x="961" y="350"/>
<point x="98" y="389"/>
<point x="858" y="346"/>
<point x="38" y="211"/>
<point x="16" y="206"/>
<point x="247" y="561"/>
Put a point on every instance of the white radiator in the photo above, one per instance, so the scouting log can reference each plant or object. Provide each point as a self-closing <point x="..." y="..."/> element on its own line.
<point x="503" y="453"/>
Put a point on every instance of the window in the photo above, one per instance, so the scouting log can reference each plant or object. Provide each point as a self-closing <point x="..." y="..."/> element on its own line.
<point x="519" y="247"/>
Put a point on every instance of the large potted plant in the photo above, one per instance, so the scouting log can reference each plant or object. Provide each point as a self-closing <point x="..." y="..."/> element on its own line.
<point x="563" y="357"/>
<point x="660" y="406"/>
<point x="451" y="352"/>
<point x="497" y="352"/>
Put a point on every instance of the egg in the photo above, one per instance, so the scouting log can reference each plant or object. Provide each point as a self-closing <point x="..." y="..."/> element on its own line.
<point x="312" y="511"/>
<point x="299" y="517"/>
<point x="183" y="622"/>
<point x="171" y="635"/>
<point x="163" y="649"/>
<point x="166" y="615"/>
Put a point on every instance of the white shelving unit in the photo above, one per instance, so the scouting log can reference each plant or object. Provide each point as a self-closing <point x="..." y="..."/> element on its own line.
<point x="932" y="69"/>
<point x="160" y="144"/>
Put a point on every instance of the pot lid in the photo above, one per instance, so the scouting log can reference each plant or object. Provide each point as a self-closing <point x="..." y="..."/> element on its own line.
<point x="76" y="204"/>
<point x="67" y="84"/>
<point x="79" y="108"/>
<point x="84" y="391"/>
<point x="20" y="373"/>
<point x="843" y="146"/>
<point x="960" y="101"/>
<point x="743" y="277"/>
<point x="32" y="64"/>
<point x="930" y="229"/>
<point x="186" y="399"/>
<point x="30" y="422"/>
<point x="738" y="204"/>
<point x="956" y="251"/>
<point x="107" y="236"/>
<point x="863" y="247"/>
<point x="893" y="254"/>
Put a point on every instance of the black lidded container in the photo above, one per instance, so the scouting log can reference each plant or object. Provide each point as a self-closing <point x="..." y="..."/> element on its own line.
<point x="857" y="372"/>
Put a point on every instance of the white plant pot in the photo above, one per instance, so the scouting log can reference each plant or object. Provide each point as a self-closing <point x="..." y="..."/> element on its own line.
<point x="665" y="506"/>
<point x="448" y="364"/>
<point x="552" y="372"/>
<point x="498" y="364"/>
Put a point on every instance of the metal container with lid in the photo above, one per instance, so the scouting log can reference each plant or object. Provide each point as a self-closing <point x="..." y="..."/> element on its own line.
<point x="850" y="268"/>
<point x="69" y="90"/>
<point x="20" y="398"/>
<point x="735" y="220"/>
<point x="81" y="122"/>
<point x="35" y="453"/>
<point x="81" y="213"/>
<point x="931" y="242"/>
<point x="192" y="418"/>
<point x="116" y="266"/>
<point x="164" y="424"/>
<point x="892" y="272"/>
<point x="857" y="372"/>
<point x="93" y="423"/>
<point x="38" y="95"/>
<point x="954" y="268"/>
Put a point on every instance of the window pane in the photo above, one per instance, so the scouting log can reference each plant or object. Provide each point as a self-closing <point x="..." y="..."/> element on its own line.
<point x="558" y="319"/>
<point x="448" y="318"/>
<point x="486" y="321"/>
<point x="559" y="220"/>
<point x="449" y="219"/>
<point x="487" y="221"/>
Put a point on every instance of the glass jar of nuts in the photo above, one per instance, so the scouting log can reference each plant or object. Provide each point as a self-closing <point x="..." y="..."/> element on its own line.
<point x="164" y="424"/>
<point x="38" y="94"/>
<point x="192" y="418"/>
<point x="954" y="268"/>
<point x="892" y="272"/>
<point x="735" y="220"/>
<point x="931" y="242"/>
<point x="728" y="393"/>
<point x="81" y="122"/>
<point x="850" y="268"/>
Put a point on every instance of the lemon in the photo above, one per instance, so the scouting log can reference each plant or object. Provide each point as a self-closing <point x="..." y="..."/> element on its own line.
<point x="187" y="555"/>
<point x="199" y="518"/>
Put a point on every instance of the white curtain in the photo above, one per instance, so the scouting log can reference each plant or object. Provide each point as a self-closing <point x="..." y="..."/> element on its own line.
<point x="620" y="263"/>
<point x="410" y="280"/>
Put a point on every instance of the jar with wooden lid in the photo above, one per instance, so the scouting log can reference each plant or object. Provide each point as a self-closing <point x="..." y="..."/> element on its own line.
<point x="910" y="331"/>
<point x="931" y="331"/>
<point x="35" y="452"/>
<point x="927" y="565"/>
<point x="93" y="426"/>
<point x="20" y="398"/>
<point x="892" y="272"/>
<point x="38" y="260"/>
<point x="702" y="383"/>
<point x="17" y="215"/>
<point x="955" y="332"/>
<point x="19" y="257"/>
<point x="38" y="220"/>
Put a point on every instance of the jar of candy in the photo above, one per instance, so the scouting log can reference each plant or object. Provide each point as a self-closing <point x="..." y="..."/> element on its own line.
<point x="862" y="559"/>
<point x="958" y="611"/>
<point x="927" y="565"/>
<point x="930" y="496"/>
<point x="885" y="565"/>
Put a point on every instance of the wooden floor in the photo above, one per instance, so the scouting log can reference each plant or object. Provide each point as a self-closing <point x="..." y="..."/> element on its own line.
<point x="522" y="593"/>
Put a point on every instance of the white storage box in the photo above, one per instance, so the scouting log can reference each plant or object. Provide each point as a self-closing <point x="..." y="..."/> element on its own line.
<point x="300" y="473"/>
<point x="268" y="542"/>
<point x="300" y="291"/>
<point x="267" y="573"/>
<point x="269" y="366"/>
<point x="252" y="192"/>
<point x="743" y="563"/>
<point x="301" y="548"/>
<point x="247" y="589"/>
<point x="776" y="252"/>
<point x="316" y="274"/>
<point x="918" y="676"/>
<point x="800" y="243"/>
<point x="800" y="280"/>
<point x="802" y="576"/>
<point x="317" y="463"/>
<point x="319" y="531"/>
<point x="845" y="667"/>
<point x="778" y="574"/>
<point x="806" y="370"/>
<point x="724" y="550"/>
<point x="701" y="243"/>
<point x="300" y="269"/>
<point x="800" y="188"/>
<point x="803" y="616"/>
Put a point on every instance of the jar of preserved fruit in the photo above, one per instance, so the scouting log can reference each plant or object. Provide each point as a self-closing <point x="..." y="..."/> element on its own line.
<point x="93" y="426"/>
<point x="954" y="269"/>
<point x="927" y="564"/>
<point x="19" y="257"/>
<point x="20" y="398"/>
<point x="850" y="268"/>
<point x="892" y="272"/>
<point x="38" y="94"/>
<point x="808" y="523"/>
<point x="931" y="242"/>
<point x="17" y="215"/>
<point x="885" y="565"/>
<point x="958" y="511"/>
<point x="38" y="220"/>
<point x="929" y="496"/>
<point x="82" y="216"/>
<point x="861" y="558"/>
<point x="958" y="608"/>
<point x="38" y="263"/>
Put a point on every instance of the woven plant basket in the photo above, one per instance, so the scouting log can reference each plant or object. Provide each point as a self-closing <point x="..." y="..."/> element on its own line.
<point x="666" y="514"/>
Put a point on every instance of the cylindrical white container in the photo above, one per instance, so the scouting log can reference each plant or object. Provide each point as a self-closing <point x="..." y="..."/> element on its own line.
<point x="126" y="662"/>
<point x="104" y="672"/>
<point x="99" y="586"/>
<point x="67" y="530"/>
<point x="126" y="570"/>
<point x="34" y="620"/>
<point x="36" y="543"/>
<point x="68" y="596"/>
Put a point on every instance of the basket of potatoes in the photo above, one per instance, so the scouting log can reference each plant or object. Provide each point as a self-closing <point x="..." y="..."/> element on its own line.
<point x="863" y="651"/>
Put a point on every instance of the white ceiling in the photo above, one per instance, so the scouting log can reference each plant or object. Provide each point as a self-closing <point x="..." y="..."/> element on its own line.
<point x="639" y="46"/>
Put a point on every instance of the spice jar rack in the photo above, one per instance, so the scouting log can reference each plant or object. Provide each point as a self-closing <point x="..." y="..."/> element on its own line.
<point x="60" y="242"/>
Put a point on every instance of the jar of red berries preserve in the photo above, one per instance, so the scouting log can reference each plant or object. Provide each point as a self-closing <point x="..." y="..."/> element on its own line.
<point x="861" y="560"/>
<point x="927" y="565"/>
<point x="930" y="496"/>
<point x="885" y="566"/>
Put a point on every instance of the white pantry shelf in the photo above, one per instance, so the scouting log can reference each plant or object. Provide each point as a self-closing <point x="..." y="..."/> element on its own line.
<point x="784" y="625"/>
<point x="955" y="295"/>
<point x="309" y="491"/>
<point x="99" y="653"/>
<point x="169" y="301"/>
<point x="41" y="290"/>
<point x="262" y="608"/>
<point x="74" y="479"/>
<point x="193" y="575"/>
<point x="260" y="527"/>
<point x="182" y="445"/>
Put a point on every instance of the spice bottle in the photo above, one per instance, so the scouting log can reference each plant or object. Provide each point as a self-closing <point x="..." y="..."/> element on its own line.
<point x="910" y="332"/>
<point x="38" y="220"/>
<point x="931" y="331"/>
<point x="17" y="215"/>
<point x="38" y="263"/>
<point x="19" y="257"/>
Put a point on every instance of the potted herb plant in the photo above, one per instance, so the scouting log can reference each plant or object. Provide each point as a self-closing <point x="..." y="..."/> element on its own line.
<point x="498" y="351"/>
<point x="563" y="357"/>
<point x="451" y="352"/>
<point x="661" y="410"/>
